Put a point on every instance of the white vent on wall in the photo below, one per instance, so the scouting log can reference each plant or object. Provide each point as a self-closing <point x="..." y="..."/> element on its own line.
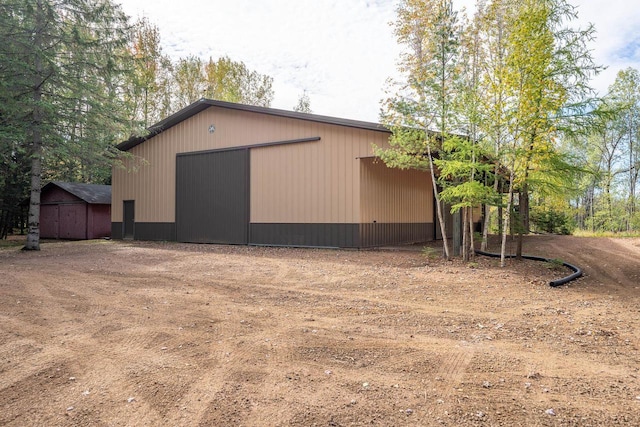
<point x="212" y="128"/>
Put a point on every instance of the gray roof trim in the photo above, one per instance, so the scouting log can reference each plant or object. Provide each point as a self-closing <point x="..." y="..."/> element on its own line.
<point x="248" y="147"/>
<point x="203" y="104"/>
<point x="90" y="193"/>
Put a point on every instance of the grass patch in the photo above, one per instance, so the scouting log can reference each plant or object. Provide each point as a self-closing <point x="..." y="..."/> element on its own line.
<point x="430" y="253"/>
<point x="623" y="234"/>
<point x="12" y="242"/>
<point x="555" y="264"/>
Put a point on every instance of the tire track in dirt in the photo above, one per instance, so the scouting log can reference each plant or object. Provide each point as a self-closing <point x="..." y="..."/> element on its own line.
<point x="228" y="308"/>
<point x="449" y="376"/>
<point x="113" y="358"/>
<point x="246" y="359"/>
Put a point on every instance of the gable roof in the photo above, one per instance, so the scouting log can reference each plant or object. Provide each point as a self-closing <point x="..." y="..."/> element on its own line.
<point x="90" y="193"/>
<point x="203" y="104"/>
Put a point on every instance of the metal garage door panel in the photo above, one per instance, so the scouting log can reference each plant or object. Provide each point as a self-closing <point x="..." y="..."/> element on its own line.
<point x="212" y="197"/>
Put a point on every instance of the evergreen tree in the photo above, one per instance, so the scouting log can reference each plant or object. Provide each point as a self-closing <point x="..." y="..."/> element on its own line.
<point x="304" y="104"/>
<point x="60" y="83"/>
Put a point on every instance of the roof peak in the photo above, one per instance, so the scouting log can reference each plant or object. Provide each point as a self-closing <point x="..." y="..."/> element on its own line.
<point x="204" y="103"/>
<point x="90" y="193"/>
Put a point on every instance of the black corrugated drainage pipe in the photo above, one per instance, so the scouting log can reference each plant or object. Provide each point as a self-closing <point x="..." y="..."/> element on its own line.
<point x="577" y="272"/>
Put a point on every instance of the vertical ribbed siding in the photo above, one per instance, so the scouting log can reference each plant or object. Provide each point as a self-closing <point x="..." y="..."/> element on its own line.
<point x="316" y="182"/>
<point x="396" y="205"/>
<point x="313" y="235"/>
<point x="393" y="234"/>
<point x="327" y="171"/>
<point x="212" y="197"/>
<point x="390" y="195"/>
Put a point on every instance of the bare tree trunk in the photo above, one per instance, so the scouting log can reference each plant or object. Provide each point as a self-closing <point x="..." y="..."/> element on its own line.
<point x="591" y="195"/>
<point x="524" y="209"/>
<point x="436" y="193"/>
<point x="486" y="223"/>
<point x="501" y="210"/>
<point x="633" y="177"/>
<point x="472" y="249"/>
<point x="456" y="232"/>
<point x="33" y="235"/>
<point x="485" y="228"/>
<point x="465" y="233"/>
<point x="521" y="226"/>
<point x="506" y="223"/>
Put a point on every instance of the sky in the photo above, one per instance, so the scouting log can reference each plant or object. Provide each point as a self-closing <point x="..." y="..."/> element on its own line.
<point x="341" y="52"/>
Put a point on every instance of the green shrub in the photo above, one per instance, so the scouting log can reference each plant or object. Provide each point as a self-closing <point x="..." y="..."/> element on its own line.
<point x="429" y="252"/>
<point x="552" y="221"/>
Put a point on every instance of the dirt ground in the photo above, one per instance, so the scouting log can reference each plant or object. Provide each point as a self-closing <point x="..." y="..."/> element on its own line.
<point x="112" y="333"/>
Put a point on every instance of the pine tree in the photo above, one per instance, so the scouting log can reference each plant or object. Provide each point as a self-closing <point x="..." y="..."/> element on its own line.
<point x="304" y="104"/>
<point x="61" y="79"/>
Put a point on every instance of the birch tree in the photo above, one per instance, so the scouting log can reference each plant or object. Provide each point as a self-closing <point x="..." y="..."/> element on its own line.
<point x="548" y="68"/>
<point x="420" y="112"/>
<point x="150" y="92"/>
<point x="625" y="97"/>
<point x="464" y="169"/>
<point x="492" y="21"/>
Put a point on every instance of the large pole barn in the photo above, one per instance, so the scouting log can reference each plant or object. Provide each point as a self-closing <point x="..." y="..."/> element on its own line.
<point x="219" y="172"/>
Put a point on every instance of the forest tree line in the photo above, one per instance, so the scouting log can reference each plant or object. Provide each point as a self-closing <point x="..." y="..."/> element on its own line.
<point x="76" y="78"/>
<point x="498" y="103"/>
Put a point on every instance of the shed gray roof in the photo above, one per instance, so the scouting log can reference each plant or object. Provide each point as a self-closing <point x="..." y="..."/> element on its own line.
<point x="203" y="104"/>
<point x="90" y="193"/>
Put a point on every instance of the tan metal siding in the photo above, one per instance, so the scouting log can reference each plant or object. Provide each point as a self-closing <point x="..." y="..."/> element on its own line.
<point x="394" y="196"/>
<point x="148" y="177"/>
<point x="315" y="182"/>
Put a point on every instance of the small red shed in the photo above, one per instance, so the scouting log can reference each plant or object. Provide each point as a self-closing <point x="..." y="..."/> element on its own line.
<point x="70" y="210"/>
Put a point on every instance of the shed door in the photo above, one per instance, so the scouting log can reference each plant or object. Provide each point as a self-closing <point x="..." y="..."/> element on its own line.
<point x="49" y="222"/>
<point x="73" y="221"/>
<point x="212" y="197"/>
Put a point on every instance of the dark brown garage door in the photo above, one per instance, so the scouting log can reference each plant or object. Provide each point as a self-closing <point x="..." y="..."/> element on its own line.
<point x="212" y="197"/>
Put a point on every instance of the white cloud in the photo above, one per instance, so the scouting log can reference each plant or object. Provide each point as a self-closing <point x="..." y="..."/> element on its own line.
<point x="340" y="51"/>
<point x="617" y="24"/>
